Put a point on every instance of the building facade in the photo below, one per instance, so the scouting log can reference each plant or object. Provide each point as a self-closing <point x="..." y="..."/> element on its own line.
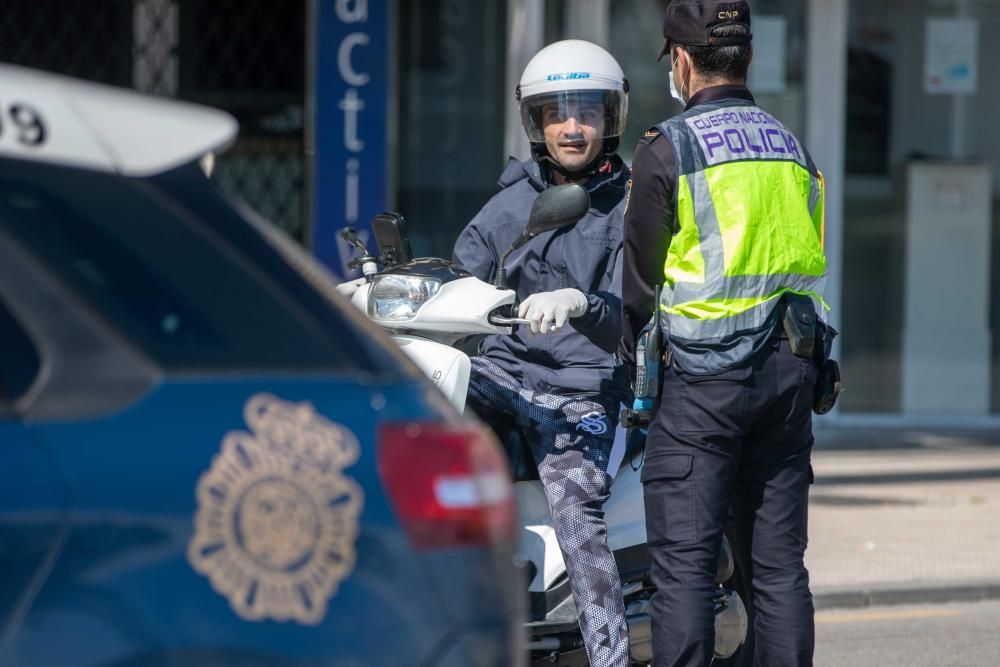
<point x="894" y="100"/>
<point x="350" y="107"/>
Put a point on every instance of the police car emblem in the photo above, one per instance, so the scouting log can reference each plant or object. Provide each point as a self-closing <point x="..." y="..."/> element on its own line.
<point x="277" y="519"/>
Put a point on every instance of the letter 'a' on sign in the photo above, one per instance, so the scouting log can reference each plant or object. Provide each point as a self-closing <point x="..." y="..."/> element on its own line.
<point x="352" y="11"/>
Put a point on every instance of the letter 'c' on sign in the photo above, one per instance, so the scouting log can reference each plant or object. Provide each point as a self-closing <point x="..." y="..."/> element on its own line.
<point x="347" y="72"/>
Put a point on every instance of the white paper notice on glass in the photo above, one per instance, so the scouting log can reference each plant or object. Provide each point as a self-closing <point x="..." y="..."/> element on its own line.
<point x="950" y="66"/>
<point x="767" y="71"/>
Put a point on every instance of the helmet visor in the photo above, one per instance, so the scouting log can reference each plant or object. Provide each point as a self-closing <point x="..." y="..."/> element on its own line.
<point x="602" y="110"/>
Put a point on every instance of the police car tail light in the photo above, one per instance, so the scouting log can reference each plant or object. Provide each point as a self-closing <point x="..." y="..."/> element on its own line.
<point x="451" y="487"/>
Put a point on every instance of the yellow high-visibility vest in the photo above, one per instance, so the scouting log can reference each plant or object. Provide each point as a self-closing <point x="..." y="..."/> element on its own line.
<point x="749" y="228"/>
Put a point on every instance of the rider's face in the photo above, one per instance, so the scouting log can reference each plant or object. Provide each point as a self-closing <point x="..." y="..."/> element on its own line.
<point x="574" y="136"/>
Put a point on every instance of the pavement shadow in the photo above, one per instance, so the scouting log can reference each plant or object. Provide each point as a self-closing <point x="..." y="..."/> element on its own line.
<point x="859" y="501"/>
<point x="875" y="439"/>
<point x="910" y="477"/>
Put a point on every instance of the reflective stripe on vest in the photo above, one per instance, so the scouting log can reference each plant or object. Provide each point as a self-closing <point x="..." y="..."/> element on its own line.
<point x="750" y="222"/>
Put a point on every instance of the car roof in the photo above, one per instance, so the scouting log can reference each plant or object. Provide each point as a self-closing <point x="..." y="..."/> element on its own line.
<point x="57" y="119"/>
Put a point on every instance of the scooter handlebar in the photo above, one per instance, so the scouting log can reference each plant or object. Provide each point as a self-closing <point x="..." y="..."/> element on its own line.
<point x="511" y="321"/>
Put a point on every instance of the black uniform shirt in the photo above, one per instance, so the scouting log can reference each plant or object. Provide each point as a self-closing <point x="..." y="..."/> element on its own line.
<point x="650" y="224"/>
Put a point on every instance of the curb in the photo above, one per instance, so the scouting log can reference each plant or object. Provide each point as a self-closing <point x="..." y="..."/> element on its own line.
<point x="910" y="593"/>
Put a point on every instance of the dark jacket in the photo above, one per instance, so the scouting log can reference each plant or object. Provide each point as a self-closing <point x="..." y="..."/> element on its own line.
<point x="581" y="358"/>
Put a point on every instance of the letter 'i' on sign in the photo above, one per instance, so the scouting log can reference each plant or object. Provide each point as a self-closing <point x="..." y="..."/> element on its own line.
<point x="349" y="50"/>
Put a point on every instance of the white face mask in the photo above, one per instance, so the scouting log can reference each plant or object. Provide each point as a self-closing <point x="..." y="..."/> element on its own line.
<point x="674" y="93"/>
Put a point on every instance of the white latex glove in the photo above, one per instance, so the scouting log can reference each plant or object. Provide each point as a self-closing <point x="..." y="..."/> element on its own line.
<point x="351" y="286"/>
<point x="548" y="311"/>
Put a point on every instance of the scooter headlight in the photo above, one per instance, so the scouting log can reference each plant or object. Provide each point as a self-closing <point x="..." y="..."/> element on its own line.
<point x="397" y="298"/>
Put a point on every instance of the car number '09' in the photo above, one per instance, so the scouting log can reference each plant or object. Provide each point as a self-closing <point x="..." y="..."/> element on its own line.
<point x="22" y="123"/>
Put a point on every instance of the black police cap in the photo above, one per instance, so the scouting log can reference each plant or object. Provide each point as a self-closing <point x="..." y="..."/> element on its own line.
<point x="694" y="23"/>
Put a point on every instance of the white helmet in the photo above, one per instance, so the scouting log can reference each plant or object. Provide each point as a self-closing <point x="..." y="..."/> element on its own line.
<point x="569" y="74"/>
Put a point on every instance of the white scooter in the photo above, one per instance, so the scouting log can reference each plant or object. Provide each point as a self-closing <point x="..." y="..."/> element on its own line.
<point x="429" y="305"/>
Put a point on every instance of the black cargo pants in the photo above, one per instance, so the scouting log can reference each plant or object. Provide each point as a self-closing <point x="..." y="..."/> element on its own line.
<point x="742" y="438"/>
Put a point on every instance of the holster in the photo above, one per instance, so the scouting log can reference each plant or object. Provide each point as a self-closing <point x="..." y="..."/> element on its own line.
<point x="828" y="387"/>
<point x="828" y="381"/>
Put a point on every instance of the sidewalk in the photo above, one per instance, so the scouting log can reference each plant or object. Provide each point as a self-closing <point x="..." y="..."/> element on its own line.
<point x="899" y="516"/>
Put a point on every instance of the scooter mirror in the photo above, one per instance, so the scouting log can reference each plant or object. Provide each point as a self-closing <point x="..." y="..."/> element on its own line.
<point x="560" y="206"/>
<point x="557" y="207"/>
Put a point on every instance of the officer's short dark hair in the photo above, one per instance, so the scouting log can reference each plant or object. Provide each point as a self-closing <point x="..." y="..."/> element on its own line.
<point x="722" y="62"/>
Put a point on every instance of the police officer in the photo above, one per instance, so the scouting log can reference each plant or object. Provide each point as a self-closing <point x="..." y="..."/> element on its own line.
<point x="726" y="212"/>
<point x="561" y="389"/>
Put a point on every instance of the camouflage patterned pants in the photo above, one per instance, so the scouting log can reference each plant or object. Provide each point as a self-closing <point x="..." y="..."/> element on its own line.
<point x="571" y="439"/>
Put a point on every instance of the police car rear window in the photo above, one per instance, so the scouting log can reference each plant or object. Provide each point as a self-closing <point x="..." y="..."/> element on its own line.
<point x="160" y="276"/>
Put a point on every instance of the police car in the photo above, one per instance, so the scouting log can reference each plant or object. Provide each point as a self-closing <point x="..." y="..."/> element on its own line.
<point x="207" y="457"/>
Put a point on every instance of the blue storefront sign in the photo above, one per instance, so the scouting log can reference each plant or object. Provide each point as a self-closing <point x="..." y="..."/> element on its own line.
<point x="350" y="88"/>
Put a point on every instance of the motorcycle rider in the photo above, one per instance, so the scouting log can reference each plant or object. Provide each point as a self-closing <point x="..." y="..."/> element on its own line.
<point x="559" y="383"/>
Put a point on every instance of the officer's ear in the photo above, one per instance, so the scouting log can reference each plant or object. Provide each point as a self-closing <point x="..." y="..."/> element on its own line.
<point x="683" y="60"/>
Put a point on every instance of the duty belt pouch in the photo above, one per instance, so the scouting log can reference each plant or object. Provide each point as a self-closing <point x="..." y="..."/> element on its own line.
<point x="799" y="322"/>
